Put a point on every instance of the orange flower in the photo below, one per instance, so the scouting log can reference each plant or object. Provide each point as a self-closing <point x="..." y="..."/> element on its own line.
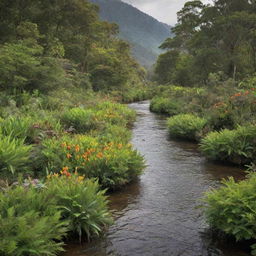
<point x="120" y="146"/>
<point x="68" y="155"/>
<point x="64" y="144"/>
<point x="100" y="155"/>
<point x="77" y="148"/>
<point x="68" y="147"/>
<point x="65" y="169"/>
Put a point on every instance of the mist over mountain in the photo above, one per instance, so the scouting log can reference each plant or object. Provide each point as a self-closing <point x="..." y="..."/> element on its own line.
<point x="143" y="32"/>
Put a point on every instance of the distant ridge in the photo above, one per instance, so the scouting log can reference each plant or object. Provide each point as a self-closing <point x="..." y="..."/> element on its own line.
<point x="143" y="32"/>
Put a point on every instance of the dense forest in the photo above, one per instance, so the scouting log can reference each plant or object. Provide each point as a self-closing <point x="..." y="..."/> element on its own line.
<point x="62" y="42"/>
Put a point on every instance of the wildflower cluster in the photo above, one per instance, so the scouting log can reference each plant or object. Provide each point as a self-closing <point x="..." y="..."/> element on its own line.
<point x="65" y="173"/>
<point x="114" y="164"/>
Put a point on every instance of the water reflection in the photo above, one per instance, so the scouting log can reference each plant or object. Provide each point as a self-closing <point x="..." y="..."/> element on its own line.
<point x="158" y="215"/>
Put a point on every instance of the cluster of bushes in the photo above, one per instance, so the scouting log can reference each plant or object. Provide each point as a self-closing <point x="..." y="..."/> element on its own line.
<point x="39" y="135"/>
<point x="81" y="143"/>
<point x="222" y="119"/>
<point x="35" y="217"/>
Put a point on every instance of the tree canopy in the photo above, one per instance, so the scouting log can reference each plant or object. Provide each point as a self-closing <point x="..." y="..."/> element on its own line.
<point x="212" y="38"/>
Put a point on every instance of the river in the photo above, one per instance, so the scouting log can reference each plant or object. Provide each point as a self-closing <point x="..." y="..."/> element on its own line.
<point x="159" y="215"/>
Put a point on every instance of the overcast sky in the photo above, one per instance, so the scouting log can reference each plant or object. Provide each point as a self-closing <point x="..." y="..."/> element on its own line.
<point x="162" y="10"/>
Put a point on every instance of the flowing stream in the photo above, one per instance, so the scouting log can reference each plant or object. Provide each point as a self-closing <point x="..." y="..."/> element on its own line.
<point x="159" y="215"/>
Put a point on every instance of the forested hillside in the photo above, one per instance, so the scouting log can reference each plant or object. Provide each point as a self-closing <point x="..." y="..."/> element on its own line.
<point x="45" y="43"/>
<point x="143" y="32"/>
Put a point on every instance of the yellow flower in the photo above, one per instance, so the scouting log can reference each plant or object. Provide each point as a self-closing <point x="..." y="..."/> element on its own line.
<point x="80" y="178"/>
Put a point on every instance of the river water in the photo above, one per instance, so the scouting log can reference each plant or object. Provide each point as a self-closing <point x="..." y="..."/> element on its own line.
<point x="159" y="215"/>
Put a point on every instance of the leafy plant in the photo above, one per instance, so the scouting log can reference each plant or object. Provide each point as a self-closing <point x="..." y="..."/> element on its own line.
<point x="82" y="203"/>
<point x="82" y="120"/>
<point x="237" y="146"/>
<point x="30" y="223"/>
<point x="16" y="127"/>
<point x="165" y="106"/>
<point x="232" y="208"/>
<point x="186" y="126"/>
<point x="14" y="154"/>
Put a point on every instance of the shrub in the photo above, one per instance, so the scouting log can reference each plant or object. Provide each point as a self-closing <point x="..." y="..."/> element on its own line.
<point x="186" y="126"/>
<point x="232" y="208"/>
<point x="82" y="120"/>
<point x="165" y="106"/>
<point x="114" y="164"/>
<point x="83" y="205"/>
<point x="114" y="133"/>
<point x="30" y="223"/>
<point x="115" y="113"/>
<point x="14" y="154"/>
<point x="237" y="146"/>
<point x="16" y="127"/>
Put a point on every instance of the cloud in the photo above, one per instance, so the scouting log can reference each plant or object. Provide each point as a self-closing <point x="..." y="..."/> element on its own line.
<point x="162" y="10"/>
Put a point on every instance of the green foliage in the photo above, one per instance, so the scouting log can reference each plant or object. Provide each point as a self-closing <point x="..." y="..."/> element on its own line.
<point x="83" y="205"/>
<point x="237" y="146"/>
<point x="14" y="154"/>
<point x="115" y="113"/>
<point x="30" y="223"/>
<point x="195" y="51"/>
<point x="16" y="127"/>
<point x="173" y="100"/>
<point x="114" y="133"/>
<point x="114" y="164"/>
<point x="232" y="208"/>
<point x="186" y="126"/>
<point x="165" y="106"/>
<point x="22" y="68"/>
<point x="82" y="120"/>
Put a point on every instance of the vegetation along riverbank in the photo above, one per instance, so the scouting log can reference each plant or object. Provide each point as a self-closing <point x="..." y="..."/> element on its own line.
<point x="64" y="139"/>
<point x="208" y="92"/>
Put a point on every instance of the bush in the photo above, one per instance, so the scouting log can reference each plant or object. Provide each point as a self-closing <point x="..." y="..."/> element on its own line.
<point x="114" y="133"/>
<point x="186" y="126"/>
<point x="82" y="120"/>
<point x="115" y="113"/>
<point x="30" y="223"/>
<point x="236" y="146"/>
<point x="14" y="154"/>
<point x="165" y="106"/>
<point x="16" y="127"/>
<point x="114" y="164"/>
<point x="83" y="205"/>
<point x="232" y="208"/>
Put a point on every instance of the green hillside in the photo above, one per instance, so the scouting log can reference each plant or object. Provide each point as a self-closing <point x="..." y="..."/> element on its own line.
<point x="144" y="33"/>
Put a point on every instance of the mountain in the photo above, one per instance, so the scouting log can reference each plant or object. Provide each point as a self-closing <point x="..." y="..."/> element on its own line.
<point x="143" y="32"/>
